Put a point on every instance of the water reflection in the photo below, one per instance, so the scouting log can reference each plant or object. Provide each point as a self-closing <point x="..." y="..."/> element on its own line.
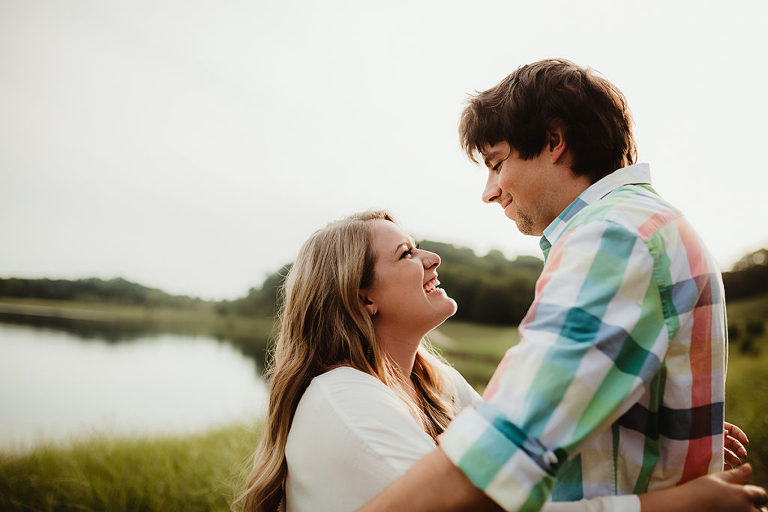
<point x="254" y="345"/>
<point x="102" y="331"/>
<point x="55" y="385"/>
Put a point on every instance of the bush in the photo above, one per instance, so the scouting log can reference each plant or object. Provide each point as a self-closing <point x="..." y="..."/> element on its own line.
<point x="755" y="328"/>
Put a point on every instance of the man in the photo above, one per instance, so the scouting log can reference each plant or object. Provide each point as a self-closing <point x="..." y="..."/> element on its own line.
<point x="617" y="384"/>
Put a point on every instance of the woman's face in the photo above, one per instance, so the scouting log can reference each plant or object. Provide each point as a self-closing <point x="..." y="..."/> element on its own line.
<point x="404" y="293"/>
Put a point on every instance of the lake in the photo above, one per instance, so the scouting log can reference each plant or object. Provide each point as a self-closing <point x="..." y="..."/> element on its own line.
<point x="57" y="386"/>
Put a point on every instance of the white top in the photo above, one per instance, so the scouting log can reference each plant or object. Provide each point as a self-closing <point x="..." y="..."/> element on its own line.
<point x="352" y="436"/>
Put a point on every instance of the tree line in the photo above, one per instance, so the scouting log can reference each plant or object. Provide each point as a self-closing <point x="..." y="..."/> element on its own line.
<point x="116" y="291"/>
<point x="489" y="289"/>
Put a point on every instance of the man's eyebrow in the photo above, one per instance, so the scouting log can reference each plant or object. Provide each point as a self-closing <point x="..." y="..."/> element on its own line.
<point x="487" y="157"/>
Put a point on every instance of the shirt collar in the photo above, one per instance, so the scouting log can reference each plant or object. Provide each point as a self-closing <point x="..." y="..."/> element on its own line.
<point x="630" y="175"/>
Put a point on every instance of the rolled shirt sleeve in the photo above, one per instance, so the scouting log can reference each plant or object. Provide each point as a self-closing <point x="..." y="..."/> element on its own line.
<point x="592" y="341"/>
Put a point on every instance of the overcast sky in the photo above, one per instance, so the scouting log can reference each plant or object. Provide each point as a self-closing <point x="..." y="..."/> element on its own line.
<point x="194" y="145"/>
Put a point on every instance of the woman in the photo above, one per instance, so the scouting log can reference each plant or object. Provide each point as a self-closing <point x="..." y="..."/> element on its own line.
<point x="355" y="397"/>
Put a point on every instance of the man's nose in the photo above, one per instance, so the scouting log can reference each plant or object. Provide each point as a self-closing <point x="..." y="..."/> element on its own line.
<point x="492" y="191"/>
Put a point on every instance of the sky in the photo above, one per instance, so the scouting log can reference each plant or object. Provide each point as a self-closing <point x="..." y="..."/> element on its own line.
<point x="194" y="145"/>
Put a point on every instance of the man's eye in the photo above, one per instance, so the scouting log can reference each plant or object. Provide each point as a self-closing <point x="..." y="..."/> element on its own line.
<point x="496" y="167"/>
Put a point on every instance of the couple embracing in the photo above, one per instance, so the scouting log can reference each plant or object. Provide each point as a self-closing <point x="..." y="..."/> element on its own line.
<point x="612" y="401"/>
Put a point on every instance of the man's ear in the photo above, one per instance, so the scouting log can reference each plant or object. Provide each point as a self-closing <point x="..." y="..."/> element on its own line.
<point x="367" y="303"/>
<point x="556" y="142"/>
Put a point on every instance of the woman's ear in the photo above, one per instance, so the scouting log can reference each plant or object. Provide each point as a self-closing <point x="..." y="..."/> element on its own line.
<point x="367" y="303"/>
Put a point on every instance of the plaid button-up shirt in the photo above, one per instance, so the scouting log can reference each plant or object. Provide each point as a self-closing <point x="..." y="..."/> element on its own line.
<point x="618" y="382"/>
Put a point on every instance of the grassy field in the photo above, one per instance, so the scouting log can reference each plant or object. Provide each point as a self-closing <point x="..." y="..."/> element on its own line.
<point x="474" y="350"/>
<point x="746" y="404"/>
<point x="195" y="474"/>
<point x="203" y="472"/>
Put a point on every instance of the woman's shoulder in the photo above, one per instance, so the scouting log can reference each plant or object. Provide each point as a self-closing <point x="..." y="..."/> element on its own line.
<point x="342" y="376"/>
<point x="345" y="390"/>
<point x="351" y="391"/>
<point x="349" y="428"/>
<point x="347" y="399"/>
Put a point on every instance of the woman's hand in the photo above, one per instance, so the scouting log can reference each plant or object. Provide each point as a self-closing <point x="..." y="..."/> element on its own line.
<point x="718" y="492"/>
<point x="736" y="443"/>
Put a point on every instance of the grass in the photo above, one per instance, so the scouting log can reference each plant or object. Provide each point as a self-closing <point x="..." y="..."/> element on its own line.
<point x="474" y="350"/>
<point x="755" y="308"/>
<point x="746" y="404"/>
<point x="196" y="473"/>
<point x="746" y="390"/>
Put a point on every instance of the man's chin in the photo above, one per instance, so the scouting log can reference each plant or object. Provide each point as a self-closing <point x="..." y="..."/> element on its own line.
<point x="525" y="226"/>
<point x="524" y="223"/>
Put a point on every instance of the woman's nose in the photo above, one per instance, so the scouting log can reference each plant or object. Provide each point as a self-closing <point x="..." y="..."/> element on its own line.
<point x="430" y="259"/>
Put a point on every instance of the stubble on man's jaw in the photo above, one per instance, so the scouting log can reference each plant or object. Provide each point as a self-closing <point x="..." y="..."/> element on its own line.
<point x="524" y="224"/>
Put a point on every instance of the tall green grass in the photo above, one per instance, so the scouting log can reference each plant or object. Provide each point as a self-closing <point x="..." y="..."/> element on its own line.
<point x="196" y="473"/>
<point x="746" y="404"/>
<point x="474" y="350"/>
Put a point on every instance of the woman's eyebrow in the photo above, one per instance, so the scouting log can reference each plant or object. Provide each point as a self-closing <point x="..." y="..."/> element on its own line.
<point x="410" y="239"/>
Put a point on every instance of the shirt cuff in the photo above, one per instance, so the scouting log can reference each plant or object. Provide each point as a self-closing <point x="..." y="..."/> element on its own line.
<point x="514" y="470"/>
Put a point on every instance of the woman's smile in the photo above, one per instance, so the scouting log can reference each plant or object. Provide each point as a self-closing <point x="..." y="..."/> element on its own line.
<point x="431" y="286"/>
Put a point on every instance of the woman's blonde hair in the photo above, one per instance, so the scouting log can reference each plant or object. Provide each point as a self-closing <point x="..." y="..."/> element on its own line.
<point x="323" y="326"/>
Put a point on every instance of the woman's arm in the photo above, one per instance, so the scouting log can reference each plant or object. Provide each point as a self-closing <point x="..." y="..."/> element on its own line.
<point x="724" y="491"/>
<point x="736" y="443"/>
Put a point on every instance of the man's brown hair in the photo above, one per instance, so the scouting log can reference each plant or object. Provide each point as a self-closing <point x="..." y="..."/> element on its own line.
<point x="591" y="112"/>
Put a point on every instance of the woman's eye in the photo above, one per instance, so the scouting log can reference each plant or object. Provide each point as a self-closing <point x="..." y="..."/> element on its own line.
<point x="410" y="251"/>
<point x="497" y="166"/>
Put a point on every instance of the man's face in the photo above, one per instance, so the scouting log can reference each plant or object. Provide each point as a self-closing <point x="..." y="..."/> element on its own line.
<point x="523" y="188"/>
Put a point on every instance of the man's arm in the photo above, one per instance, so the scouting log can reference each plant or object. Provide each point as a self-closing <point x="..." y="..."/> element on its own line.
<point x="432" y="484"/>
<point x="435" y="484"/>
